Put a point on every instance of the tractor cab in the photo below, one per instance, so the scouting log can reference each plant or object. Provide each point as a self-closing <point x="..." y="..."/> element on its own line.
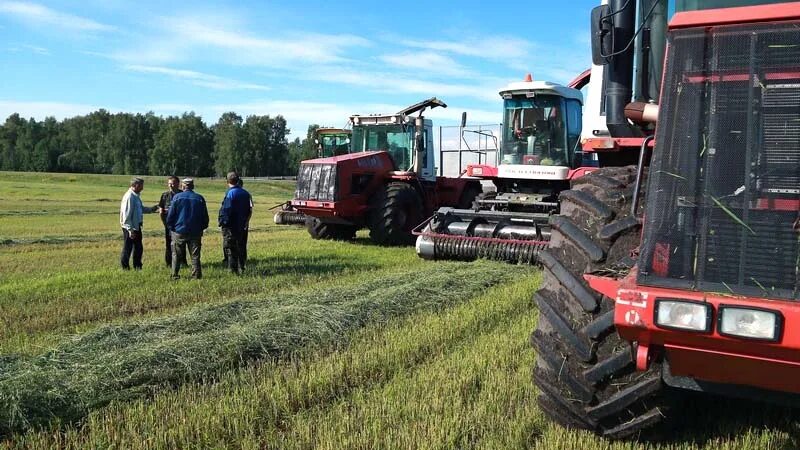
<point x="541" y="127"/>
<point x="397" y="135"/>
<point x="332" y="142"/>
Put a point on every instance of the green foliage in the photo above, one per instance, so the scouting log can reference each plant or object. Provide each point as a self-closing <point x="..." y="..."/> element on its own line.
<point x="136" y="144"/>
<point x="126" y="361"/>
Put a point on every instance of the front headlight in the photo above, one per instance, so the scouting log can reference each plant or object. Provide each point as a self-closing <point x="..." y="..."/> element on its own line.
<point x="761" y="324"/>
<point x="684" y="315"/>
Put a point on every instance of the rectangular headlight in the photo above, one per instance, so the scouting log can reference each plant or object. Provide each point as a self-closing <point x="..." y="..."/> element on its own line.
<point x="750" y="323"/>
<point x="684" y="315"/>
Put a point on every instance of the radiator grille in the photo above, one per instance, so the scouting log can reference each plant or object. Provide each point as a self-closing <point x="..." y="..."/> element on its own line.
<point x="724" y="191"/>
<point x="316" y="182"/>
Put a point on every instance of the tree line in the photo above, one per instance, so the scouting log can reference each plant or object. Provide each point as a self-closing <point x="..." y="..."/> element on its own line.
<point x="138" y="144"/>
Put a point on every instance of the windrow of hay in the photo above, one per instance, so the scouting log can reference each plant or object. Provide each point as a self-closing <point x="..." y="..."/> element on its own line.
<point x="118" y="363"/>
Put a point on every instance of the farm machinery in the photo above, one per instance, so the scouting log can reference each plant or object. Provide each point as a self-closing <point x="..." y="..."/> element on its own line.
<point x="681" y="270"/>
<point x="388" y="183"/>
<point x="538" y="156"/>
<point x="332" y="142"/>
<point x="329" y="142"/>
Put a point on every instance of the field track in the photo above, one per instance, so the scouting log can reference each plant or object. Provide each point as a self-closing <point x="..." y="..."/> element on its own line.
<point x="320" y="345"/>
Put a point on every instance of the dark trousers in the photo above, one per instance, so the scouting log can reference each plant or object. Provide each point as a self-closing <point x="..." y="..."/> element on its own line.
<point x="243" y="250"/>
<point x="234" y="245"/>
<point x="168" y="246"/>
<point x="179" y="244"/>
<point x="131" y="244"/>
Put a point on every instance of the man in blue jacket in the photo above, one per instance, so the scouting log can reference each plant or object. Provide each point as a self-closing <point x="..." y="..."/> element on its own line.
<point x="187" y="219"/>
<point x="234" y="215"/>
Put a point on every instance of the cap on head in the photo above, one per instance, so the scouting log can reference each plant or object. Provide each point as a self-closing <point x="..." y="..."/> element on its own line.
<point x="188" y="182"/>
<point x="233" y="178"/>
<point x="136" y="180"/>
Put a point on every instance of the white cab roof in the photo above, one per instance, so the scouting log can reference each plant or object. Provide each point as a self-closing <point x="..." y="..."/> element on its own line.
<point x="544" y="87"/>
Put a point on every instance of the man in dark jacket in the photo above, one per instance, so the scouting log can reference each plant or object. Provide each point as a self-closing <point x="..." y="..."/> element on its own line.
<point x="187" y="219"/>
<point x="234" y="216"/>
<point x="173" y="189"/>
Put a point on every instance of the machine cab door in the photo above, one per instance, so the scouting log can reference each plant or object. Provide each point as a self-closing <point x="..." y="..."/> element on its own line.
<point x="429" y="160"/>
<point x="574" y="119"/>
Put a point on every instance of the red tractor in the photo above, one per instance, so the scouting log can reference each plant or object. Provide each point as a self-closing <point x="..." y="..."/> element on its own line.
<point x="682" y="270"/>
<point x="388" y="183"/>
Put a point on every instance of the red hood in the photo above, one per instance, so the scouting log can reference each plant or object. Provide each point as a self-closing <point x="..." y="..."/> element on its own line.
<point x="335" y="159"/>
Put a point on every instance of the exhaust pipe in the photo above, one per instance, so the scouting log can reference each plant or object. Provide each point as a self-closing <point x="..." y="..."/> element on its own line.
<point x="619" y="89"/>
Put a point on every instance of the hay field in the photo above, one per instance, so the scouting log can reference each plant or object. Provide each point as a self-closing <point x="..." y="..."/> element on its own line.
<point x="320" y="345"/>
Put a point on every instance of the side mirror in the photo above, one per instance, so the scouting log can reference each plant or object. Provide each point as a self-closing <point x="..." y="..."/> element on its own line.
<point x="602" y="34"/>
<point x="463" y="119"/>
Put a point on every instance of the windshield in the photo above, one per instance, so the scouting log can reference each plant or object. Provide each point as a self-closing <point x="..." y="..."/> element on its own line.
<point x="334" y="144"/>
<point x="534" y="132"/>
<point x="693" y="5"/>
<point x="395" y="139"/>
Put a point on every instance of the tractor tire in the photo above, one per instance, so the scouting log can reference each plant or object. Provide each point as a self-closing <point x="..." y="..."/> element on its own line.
<point x="468" y="197"/>
<point x="320" y="230"/>
<point x="585" y="372"/>
<point x="395" y="212"/>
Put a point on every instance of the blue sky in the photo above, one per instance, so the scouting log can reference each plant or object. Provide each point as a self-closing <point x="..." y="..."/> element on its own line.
<point x="311" y="61"/>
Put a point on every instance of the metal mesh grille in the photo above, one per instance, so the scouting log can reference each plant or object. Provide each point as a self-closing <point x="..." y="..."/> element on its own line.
<point x="316" y="182"/>
<point x="724" y="189"/>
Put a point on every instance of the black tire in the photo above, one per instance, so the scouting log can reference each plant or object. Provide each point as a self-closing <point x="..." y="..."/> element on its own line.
<point x="395" y="212"/>
<point x="468" y="197"/>
<point x="321" y="230"/>
<point x="585" y="372"/>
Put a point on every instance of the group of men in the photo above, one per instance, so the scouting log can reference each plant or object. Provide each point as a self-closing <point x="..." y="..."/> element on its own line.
<point x="184" y="215"/>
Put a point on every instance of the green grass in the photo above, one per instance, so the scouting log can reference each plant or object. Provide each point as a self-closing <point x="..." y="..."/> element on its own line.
<point x="137" y="361"/>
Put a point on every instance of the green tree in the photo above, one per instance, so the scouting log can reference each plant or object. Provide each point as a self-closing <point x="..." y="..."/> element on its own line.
<point x="11" y="130"/>
<point x="183" y="145"/>
<point x="229" y="145"/>
<point x="302" y="150"/>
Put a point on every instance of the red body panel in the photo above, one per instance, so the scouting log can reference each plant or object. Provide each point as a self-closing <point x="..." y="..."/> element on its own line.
<point x="740" y="15"/>
<point x="580" y="171"/>
<point x="352" y="202"/>
<point x="609" y="144"/>
<point x="486" y="171"/>
<point x="708" y="356"/>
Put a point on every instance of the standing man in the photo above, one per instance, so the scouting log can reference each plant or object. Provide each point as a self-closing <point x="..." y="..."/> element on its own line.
<point x="186" y="219"/>
<point x="243" y="252"/>
<point x="173" y="188"/>
<point x="131" y="218"/>
<point x="233" y="217"/>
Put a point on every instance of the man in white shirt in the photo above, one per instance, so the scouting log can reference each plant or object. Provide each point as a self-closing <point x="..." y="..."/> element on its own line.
<point x="131" y="212"/>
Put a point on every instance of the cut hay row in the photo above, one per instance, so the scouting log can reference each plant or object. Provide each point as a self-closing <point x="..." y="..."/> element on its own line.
<point x="118" y="363"/>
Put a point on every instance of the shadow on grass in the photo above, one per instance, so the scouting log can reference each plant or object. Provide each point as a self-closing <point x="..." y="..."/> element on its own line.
<point x="705" y="419"/>
<point x="320" y="265"/>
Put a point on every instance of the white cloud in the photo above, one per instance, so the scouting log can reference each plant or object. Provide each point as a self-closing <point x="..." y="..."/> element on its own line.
<point x="429" y="62"/>
<point x="196" y="78"/>
<point x="41" y="110"/>
<point x="37" y="14"/>
<point x="493" y="48"/>
<point x="390" y="83"/>
<point x="228" y="41"/>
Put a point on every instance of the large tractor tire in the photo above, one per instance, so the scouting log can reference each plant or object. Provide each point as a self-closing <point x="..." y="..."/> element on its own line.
<point x="395" y="212"/>
<point x="321" y="230"/>
<point x="585" y="372"/>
